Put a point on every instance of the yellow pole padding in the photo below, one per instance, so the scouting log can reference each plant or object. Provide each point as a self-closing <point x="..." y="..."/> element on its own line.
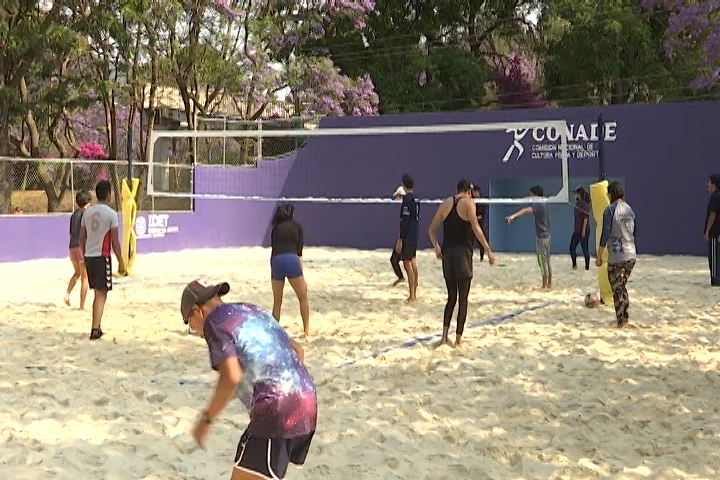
<point x="600" y="201"/>
<point x="129" y="212"/>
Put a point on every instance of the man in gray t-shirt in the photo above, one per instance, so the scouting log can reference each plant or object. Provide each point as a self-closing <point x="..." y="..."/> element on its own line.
<point x="542" y="232"/>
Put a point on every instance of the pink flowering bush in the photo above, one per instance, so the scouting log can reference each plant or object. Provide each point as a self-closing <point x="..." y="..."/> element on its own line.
<point x="91" y="151"/>
<point x="86" y="175"/>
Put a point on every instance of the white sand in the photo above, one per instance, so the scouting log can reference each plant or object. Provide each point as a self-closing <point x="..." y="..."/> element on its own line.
<point x="553" y="393"/>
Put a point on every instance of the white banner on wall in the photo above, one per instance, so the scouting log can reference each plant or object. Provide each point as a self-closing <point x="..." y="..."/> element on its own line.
<point x="154" y="225"/>
<point x="544" y="143"/>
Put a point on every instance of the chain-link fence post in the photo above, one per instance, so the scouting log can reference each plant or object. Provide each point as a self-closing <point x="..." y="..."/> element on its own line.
<point x="259" y="154"/>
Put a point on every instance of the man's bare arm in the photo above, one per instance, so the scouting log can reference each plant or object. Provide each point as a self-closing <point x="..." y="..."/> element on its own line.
<point x="440" y="214"/>
<point x="115" y="240"/>
<point x="520" y="213"/>
<point x="230" y="375"/>
<point x="83" y="238"/>
<point x="710" y="222"/>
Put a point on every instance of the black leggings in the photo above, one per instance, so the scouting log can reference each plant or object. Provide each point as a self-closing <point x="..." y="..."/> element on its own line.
<point x="458" y="291"/>
<point x="395" y="262"/>
<point x="584" y="244"/>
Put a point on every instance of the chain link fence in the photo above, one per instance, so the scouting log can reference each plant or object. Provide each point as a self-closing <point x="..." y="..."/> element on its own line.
<point x="49" y="185"/>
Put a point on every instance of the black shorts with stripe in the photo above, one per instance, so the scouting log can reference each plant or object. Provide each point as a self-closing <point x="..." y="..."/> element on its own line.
<point x="99" y="271"/>
<point x="270" y="457"/>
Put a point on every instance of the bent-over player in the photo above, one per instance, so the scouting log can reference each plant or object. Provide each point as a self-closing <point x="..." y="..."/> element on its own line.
<point x="246" y="341"/>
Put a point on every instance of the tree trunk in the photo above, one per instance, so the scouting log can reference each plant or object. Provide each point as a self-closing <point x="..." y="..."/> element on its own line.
<point x="61" y="180"/>
<point x="48" y="181"/>
<point x="149" y="115"/>
<point x="145" y="145"/>
<point x="111" y="132"/>
<point x="6" y="186"/>
<point x="620" y="94"/>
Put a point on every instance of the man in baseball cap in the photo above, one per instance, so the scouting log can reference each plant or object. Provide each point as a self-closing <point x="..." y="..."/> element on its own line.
<point x="199" y="292"/>
<point x="244" y="340"/>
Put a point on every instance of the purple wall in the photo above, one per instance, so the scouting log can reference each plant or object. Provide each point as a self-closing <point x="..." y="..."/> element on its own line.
<point x="664" y="153"/>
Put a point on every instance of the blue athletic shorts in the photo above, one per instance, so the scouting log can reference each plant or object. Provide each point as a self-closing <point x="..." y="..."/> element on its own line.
<point x="285" y="265"/>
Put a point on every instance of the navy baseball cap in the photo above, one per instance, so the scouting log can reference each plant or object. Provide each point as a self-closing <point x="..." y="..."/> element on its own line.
<point x="198" y="292"/>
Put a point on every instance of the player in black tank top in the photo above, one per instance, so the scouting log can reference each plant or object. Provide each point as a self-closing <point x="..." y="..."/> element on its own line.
<point x="457" y="233"/>
<point x="456" y="254"/>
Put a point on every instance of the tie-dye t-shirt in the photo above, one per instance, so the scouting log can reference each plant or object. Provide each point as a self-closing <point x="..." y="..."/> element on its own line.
<point x="283" y="403"/>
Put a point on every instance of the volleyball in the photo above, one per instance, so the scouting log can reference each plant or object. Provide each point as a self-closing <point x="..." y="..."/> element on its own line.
<point x="591" y="300"/>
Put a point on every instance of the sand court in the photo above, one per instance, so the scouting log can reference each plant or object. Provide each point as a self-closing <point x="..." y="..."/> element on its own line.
<point x="550" y="393"/>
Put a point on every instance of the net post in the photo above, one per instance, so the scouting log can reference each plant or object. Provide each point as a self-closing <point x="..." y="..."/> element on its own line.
<point x="564" y="194"/>
<point x="224" y="147"/>
<point x="72" y="182"/>
<point x="602" y="174"/>
<point x="129" y="146"/>
<point x="259" y="152"/>
<point x="599" y="201"/>
<point x="128" y="194"/>
<point x="150" y="149"/>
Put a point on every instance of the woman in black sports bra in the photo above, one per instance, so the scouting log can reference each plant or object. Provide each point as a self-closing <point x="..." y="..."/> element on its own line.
<point x="456" y="253"/>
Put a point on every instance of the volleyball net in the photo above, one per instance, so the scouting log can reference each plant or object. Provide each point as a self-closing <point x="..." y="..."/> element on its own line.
<point x="338" y="165"/>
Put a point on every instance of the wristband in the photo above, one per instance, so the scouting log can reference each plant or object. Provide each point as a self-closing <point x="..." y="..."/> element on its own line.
<point x="205" y="419"/>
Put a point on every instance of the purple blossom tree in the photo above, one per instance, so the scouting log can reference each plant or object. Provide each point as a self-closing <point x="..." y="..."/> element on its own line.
<point x="515" y="81"/>
<point x="91" y="137"/>
<point x="693" y="25"/>
<point x="89" y="127"/>
<point x="323" y="90"/>
<point x="272" y="59"/>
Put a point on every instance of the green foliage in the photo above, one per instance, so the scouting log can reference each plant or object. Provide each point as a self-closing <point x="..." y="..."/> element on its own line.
<point x="444" y="79"/>
<point x="433" y="55"/>
<point x="608" y="51"/>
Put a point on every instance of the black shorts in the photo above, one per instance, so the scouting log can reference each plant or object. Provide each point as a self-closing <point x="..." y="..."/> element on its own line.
<point x="457" y="263"/>
<point x="270" y="457"/>
<point x="408" y="252"/>
<point x="99" y="271"/>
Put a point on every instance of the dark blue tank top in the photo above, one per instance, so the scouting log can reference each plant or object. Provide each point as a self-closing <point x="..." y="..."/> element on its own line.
<point x="456" y="231"/>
